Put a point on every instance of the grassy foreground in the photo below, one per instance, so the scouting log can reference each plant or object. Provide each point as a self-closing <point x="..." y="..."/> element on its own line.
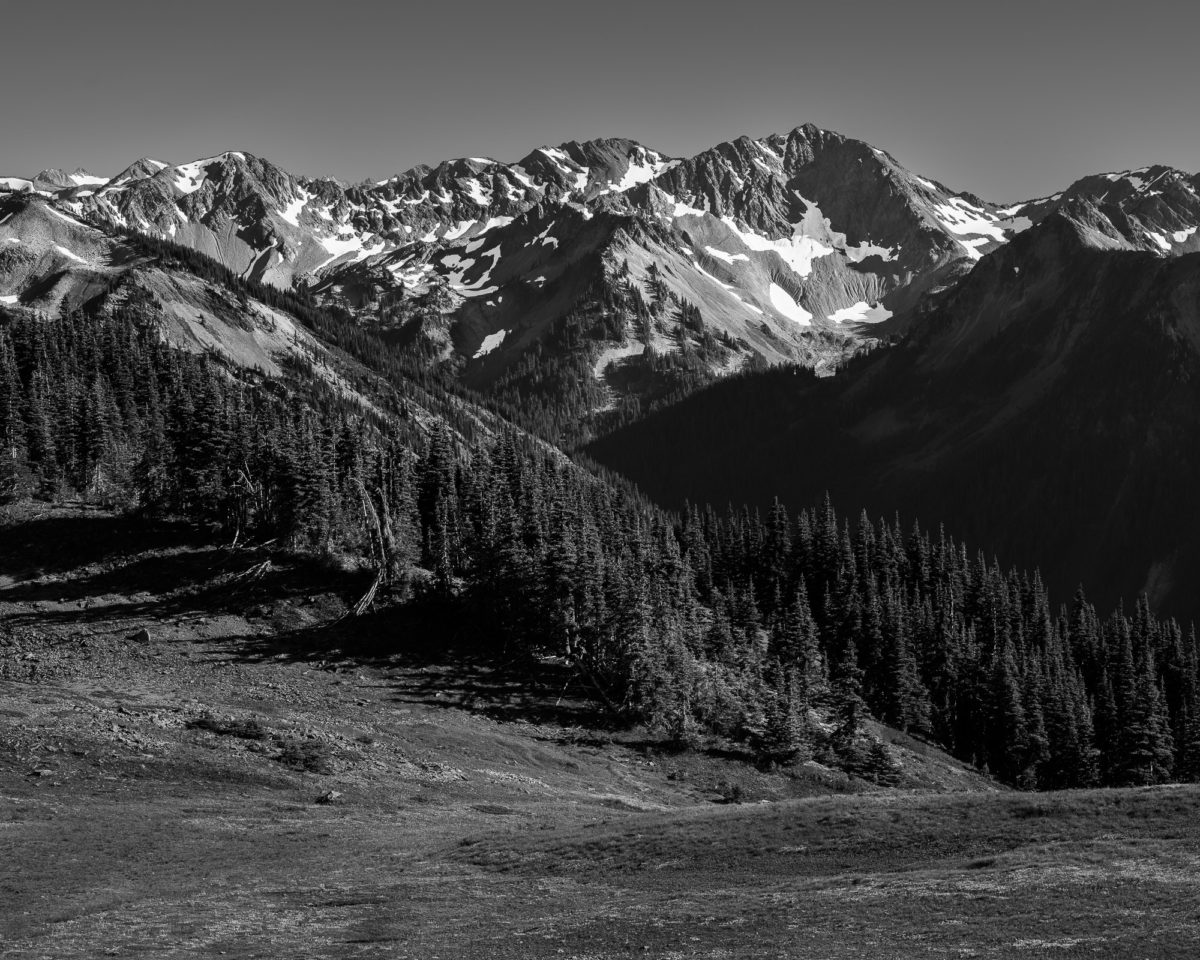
<point x="160" y="797"/>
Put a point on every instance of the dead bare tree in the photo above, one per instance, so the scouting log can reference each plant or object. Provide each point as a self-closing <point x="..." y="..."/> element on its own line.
<point x="383" y="545"/>
<point x="249" y="499"/>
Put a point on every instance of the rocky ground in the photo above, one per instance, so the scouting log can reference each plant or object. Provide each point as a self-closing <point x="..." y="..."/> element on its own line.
<point x="197" y="760"/>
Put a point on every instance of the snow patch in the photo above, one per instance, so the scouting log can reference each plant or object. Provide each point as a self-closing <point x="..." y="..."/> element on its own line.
<point x="479" y="239"/>
<point x="189" y="176"/>
<point x="87" y="180"/>
<point x="861" y="312"/>
<point x="9" y="298"/>
<point x="68" y="253"/>
<point x="62" y="216"/>
<point x="799" y="250"/>
<point x="643" y="169"/>
<point x="476" y="192"/>
<point x="1160" y="240"/>
<point x="338" y="247"/>
<point x="566" y="166"/>
<point x="455" y="232"/>
<point x="559" y="158"/>
<point x="544" y="238"/>
<point x="782" y="301"/>
<point x="705" y="273"/>
<point x="522" y="177"/>
<point x="770" y="151"/>
<point x="460" y="267"/>
<point x="490" y="343"/>
<point x="963" y="218"/>
<point x="494" y="222"/>
<point x="1180" y="236"/>
<point x="291" y="213"/>
<point x="683" y="210"/>
<point x="972" y="246"/>
<point x="868" y="249"/>
<point x="727" y="257"/>
<point x="608" y="356"/>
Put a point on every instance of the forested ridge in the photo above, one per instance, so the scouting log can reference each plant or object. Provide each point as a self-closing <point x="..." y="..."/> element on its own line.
<point x="781" y="630"/>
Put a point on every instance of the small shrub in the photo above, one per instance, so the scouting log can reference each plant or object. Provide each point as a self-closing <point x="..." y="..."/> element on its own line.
<point x="731" y="792"/>
<point x="311" y="756"/>
<point x="248" y="729"/>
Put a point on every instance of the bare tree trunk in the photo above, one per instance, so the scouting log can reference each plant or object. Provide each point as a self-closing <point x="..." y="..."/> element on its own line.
<point x="383" y="545"/>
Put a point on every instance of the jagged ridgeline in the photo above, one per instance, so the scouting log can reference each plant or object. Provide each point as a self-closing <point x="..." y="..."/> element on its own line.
<point x="781" y="631"/>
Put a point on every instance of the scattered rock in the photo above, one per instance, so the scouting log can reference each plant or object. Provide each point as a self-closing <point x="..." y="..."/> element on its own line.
<point x="329" y="796"/>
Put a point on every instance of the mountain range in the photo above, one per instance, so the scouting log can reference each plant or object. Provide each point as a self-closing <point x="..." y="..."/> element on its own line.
<point x="788" y="248"/>
<point x="1035" y="393"/>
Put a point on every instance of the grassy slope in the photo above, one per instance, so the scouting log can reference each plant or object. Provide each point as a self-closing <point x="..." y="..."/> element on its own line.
<point x="154" y="801"/>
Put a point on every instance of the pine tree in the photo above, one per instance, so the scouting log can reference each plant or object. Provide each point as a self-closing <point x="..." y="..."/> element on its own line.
<point x="1008" y="732"/>
<point x="1188" y="768"/>
<point x="1145" y="751"/>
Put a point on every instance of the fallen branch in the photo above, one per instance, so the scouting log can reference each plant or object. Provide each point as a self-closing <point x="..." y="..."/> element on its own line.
<point x="595" y="685"/>
<point x="368" y="598"/>
<point x="256" y="572"/>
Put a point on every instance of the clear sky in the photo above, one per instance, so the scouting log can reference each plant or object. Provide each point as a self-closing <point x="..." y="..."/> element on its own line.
<point x="1006" y="99"/>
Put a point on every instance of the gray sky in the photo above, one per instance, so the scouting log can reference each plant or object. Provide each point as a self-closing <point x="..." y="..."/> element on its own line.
<point x="1009" y="100"/>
